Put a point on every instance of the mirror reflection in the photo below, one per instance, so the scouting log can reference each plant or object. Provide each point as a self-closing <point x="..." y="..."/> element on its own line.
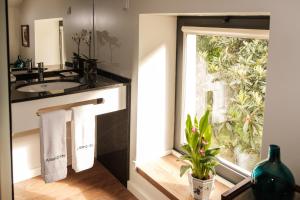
<point x="42" y="31"/>
<point x="49" y="33"/>
<point x="43" y="48"/>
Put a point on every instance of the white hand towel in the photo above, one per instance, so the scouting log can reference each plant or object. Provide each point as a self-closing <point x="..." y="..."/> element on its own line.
<point x="53" y="146"/>
<point x="83" y="137"/>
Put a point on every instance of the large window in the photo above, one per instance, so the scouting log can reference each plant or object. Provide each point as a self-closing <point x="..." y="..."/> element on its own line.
<point x="224" y="69"/>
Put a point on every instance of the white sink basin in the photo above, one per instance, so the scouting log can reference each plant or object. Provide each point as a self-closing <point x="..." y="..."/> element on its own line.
<point x="44" y="87"/>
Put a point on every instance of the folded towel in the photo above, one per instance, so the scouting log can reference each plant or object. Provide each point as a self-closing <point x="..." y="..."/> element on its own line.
<point x="83" y="137"/>
<point x="53" y="146"/>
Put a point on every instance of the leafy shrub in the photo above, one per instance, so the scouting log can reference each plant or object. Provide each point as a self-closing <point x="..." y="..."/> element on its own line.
<point x="241" y="64"/>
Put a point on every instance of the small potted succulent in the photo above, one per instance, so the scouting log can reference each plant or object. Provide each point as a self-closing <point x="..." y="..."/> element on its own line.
<point x="200" y="157"/>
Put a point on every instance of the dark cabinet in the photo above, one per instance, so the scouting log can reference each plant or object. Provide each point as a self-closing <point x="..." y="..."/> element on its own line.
<point x="113" y="141"/>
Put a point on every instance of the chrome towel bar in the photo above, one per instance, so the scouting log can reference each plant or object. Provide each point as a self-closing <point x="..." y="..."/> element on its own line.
<point x="69" y="106"/>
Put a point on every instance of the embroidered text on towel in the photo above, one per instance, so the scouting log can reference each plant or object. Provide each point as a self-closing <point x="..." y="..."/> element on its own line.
<point x="55" y="158"/>
<point x="85" y="147"/>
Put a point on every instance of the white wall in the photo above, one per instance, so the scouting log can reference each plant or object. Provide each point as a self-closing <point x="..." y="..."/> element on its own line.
<point x="156" y="99"/>
<point x="5" y="154"/>
<point x="156" y="86"/>
<point x="110" y="16"/>
<point x="282" y="100"/>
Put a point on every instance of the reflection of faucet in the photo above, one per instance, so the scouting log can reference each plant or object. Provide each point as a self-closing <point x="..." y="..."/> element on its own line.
<point x="41" y="71"/>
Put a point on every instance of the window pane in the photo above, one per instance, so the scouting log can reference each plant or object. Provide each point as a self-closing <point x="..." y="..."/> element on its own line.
<point x="228" y="75"/>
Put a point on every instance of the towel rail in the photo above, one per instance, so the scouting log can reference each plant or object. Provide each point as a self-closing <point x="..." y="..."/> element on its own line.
<point x="69" y="106"/>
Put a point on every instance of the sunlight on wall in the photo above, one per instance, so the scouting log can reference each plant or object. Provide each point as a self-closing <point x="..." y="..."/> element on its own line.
<point x="156" y="87"/>
<point x="152" y="104"/>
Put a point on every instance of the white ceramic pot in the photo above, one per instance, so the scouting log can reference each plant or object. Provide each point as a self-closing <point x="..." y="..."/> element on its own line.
<point x="201" y="189"/>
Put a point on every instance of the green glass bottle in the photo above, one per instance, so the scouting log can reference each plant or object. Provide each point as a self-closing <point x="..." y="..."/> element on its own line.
<point x="271" y="179"/>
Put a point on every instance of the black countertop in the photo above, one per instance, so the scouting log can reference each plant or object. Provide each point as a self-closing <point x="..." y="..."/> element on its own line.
<point x="46" y="69"/>
<point x="104" y="80"/>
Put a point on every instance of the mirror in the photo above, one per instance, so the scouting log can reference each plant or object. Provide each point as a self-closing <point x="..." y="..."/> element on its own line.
<point x="43" y="31"/>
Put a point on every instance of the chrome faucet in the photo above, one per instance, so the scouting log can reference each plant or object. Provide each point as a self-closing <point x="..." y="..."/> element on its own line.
<point x="29" y="65"/>
<point x="41" y="71"/>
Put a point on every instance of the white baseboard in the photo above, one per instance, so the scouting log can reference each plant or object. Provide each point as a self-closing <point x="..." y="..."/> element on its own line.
<point x="136" y="191"/>
<point x="26" y="174"/>
<point x="143" y="190"/>
<point x="31" y="173"/>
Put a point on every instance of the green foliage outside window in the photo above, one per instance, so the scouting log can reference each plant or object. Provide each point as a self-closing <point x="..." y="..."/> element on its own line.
<point x="241" y="64"/>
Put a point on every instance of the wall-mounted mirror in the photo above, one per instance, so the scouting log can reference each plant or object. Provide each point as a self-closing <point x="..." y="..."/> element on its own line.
<point x="42" y="31"/>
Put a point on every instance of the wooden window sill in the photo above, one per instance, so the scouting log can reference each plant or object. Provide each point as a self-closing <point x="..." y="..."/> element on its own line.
<point x="163" y="174"/>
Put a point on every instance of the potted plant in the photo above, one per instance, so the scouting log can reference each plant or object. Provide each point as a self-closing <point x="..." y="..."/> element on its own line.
<point x="201" y="158"/>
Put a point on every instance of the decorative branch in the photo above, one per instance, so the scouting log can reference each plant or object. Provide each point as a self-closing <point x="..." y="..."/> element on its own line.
<point x="88" y="42"/>
<point x="82" y="36"/>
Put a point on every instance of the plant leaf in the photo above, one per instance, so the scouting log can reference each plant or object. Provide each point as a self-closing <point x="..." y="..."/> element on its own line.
<point x="188" y="128"/>
<point x="188" y="123"/>
<point x="183" y="169"/>
<point x="185" y="157"/>
<point x="194" y="141"/>
<point x="186" y="148"/>
<point x="207" y="135"/>
<point x="203" y="122"/>
<point x="196" y="123"/>
<point x="212" y="152"/>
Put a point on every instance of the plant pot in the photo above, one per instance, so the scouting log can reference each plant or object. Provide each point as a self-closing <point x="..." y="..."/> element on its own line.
<point x="200" y="189"/>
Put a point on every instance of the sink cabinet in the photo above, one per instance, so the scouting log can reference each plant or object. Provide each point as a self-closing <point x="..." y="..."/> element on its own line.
<point x="112" y="131"/>
<point x="24" y="114"/>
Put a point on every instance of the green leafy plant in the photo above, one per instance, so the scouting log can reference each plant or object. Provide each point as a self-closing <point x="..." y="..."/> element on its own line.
<point x="201" y="158"/>
<point x="241" y="64"/>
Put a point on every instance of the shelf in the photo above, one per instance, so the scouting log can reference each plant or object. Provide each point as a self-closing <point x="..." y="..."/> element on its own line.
<point x="163" y="174"/>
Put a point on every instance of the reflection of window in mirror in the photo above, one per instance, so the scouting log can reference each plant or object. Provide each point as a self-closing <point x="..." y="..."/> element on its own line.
<point x="50" y="20"/>
<point x="49" y="42"/>
<point x="34" y="38"/>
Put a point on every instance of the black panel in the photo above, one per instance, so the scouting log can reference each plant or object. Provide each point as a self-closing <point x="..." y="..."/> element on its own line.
<point x="113" y="130"/>
<point x="245" y="22"/>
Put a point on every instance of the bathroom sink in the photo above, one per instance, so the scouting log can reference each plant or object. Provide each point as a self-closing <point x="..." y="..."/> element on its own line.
<point x="48" y="86"/>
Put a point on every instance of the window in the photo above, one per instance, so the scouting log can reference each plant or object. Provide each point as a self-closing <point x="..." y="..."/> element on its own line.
<point x="224" y="69"/>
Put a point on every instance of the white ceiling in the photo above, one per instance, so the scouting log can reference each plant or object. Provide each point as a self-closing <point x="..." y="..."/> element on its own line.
<point x="14" y="2"/>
